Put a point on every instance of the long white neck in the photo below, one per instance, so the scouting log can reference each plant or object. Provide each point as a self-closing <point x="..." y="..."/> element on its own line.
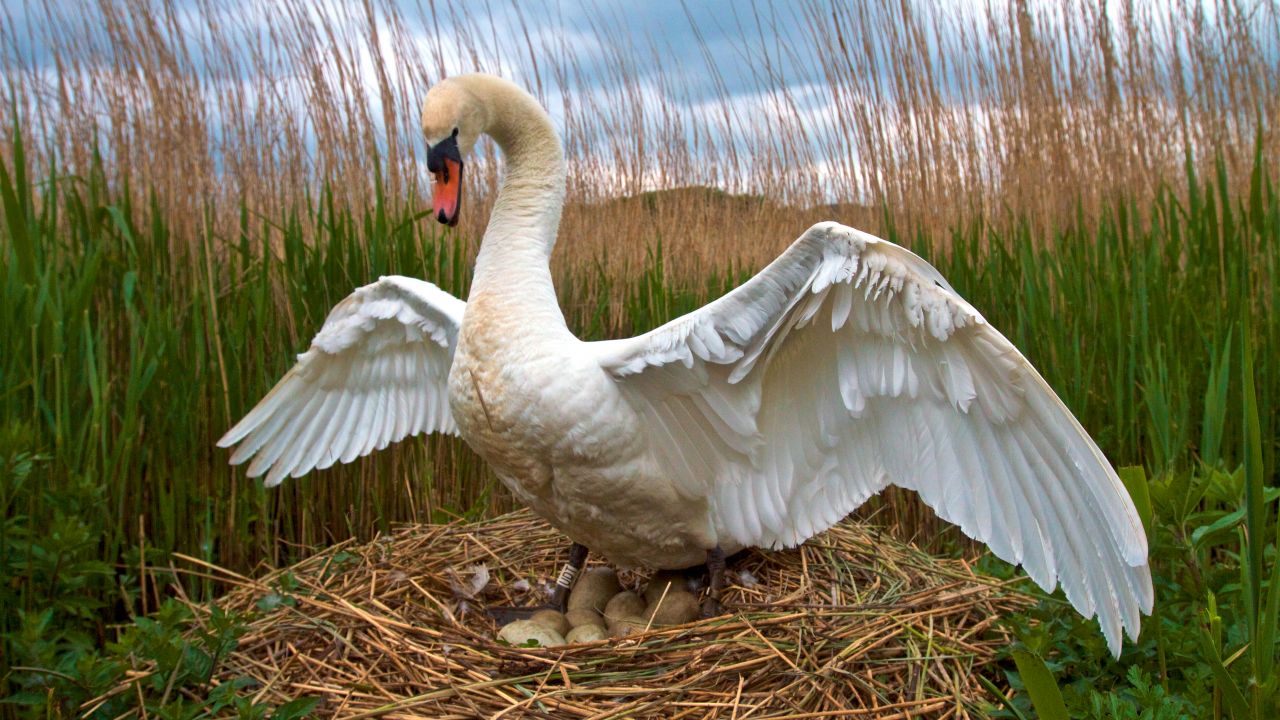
<point x="512" y="270"/>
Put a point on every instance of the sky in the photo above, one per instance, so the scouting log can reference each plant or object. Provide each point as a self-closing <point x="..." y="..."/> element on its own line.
<point x="738" y="37"/>
<point x="686" y="29"/>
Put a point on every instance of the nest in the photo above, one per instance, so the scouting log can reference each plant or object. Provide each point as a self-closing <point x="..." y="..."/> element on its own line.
<point x="852" y="624"/>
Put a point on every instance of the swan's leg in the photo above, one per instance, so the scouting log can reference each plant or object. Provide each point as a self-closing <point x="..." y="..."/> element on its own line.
<point x="564" y="583"/>
<point x="559" y="595"/>
<point x="715" y="572"/>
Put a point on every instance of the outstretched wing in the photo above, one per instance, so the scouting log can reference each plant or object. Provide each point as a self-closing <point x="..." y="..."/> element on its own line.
<point x="376" y="373"/>
<point x="849" y="364"/>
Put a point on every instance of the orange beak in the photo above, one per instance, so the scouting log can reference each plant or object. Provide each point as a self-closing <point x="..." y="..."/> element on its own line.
<point x="447" y="198"/>
<point x="445" y="162"/>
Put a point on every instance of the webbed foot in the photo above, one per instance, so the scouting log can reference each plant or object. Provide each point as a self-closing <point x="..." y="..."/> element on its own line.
<point x="559" y="595"/>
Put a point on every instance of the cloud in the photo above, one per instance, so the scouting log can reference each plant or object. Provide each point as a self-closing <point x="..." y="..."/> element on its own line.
<point x="751" y="76"/>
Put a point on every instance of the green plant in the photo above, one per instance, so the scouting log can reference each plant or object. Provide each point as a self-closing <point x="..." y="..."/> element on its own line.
<point x="1209" y="648"/>
<point x="1242" y="666"/>
<point x="161" y="665"/>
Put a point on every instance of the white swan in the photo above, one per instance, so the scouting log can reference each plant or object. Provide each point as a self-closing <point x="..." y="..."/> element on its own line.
<point x="846" y="365"/>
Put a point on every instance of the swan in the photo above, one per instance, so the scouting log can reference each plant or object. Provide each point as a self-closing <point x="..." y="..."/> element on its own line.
<point x="847" y="365"/>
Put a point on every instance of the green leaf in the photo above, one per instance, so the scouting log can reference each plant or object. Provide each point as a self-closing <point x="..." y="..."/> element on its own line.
<point x="1262" y="621"/>
<point x="295" y="709"/>
<point x="27" y="697"/>
<point x="1221" y="529"/>
<point x="1230" y="691"/>
<point x="1254" y="498"/>
<point x="1217" y="531"/>
<point x="1215" y="404"/>
<point x="1257" y="216"/>
<point x="1046" y="697"/>
<point x="1135" y="481"/>
<point x="998" y="695"/>
<point x="12" y="191"/>
<point x="1270" y="618"/>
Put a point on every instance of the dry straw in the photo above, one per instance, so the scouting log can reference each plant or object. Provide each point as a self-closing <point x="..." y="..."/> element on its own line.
<point x="852" y="624"/>
<point x="1045" y="111"/>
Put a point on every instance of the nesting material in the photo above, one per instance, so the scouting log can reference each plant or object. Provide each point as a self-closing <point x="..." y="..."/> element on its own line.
<point x="852" y="620"/>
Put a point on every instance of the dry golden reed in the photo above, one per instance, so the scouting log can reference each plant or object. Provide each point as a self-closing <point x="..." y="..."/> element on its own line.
<point x="1005" y="110"/>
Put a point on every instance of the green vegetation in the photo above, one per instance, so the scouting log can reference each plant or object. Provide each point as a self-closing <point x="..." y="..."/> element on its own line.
<point x="1209" y="648"/>
<point x="123" y="367"/>
<point x="200" y="185"/>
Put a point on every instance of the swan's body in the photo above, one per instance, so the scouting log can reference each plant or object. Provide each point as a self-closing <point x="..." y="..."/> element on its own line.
<point x="759" y="420"/>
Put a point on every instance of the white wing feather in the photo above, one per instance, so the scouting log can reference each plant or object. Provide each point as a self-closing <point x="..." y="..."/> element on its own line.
<point x="850" y="364"/>
<point x="376" y="373"/>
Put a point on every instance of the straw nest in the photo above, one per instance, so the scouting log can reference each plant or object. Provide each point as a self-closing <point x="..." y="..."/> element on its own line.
<point x="852" y="624"/>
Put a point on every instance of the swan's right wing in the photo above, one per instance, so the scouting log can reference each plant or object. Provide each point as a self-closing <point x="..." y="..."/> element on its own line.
<point x="377" y="372"/>
<point x="849" y="364"/>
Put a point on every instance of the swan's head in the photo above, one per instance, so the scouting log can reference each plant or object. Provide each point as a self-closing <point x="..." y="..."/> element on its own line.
<point x="452" y="120"/>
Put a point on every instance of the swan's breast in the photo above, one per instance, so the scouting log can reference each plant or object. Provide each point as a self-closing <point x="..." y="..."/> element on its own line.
<point x="560" y="434"/>
<point x="535" y="406"/>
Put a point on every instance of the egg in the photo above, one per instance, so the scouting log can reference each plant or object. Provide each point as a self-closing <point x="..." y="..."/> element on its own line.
<point x="584" y="616"/>
<point x="586" y="633"/>
<point x="664" y="581"/>
<point x="627" y="625"/>
<point x="677" y="608"/>
<point x="624" y="604"/>
<point x="552" y="620"/>
<point x="594" y="588"/>
<point x="521" y="632"/>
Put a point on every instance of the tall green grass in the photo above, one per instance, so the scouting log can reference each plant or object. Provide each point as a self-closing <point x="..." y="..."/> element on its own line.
<point x="1130" y="321"/>
<point x="124" y="363"/>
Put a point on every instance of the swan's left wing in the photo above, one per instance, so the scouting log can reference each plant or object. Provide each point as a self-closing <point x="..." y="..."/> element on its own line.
<point x="376" y="373"/>
<point x="849" y="364"/>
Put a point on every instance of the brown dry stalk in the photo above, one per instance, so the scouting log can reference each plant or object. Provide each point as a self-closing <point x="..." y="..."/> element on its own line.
<point x="363" y="637"/>
<point x="1010" y="110"/>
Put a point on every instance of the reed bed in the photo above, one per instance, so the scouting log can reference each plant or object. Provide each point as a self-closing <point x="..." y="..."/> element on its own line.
<point x="852" y="624"/>
<point x="821" y="110"/>
<point x="129" y="365"/>
<point x="187" y="189"/>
